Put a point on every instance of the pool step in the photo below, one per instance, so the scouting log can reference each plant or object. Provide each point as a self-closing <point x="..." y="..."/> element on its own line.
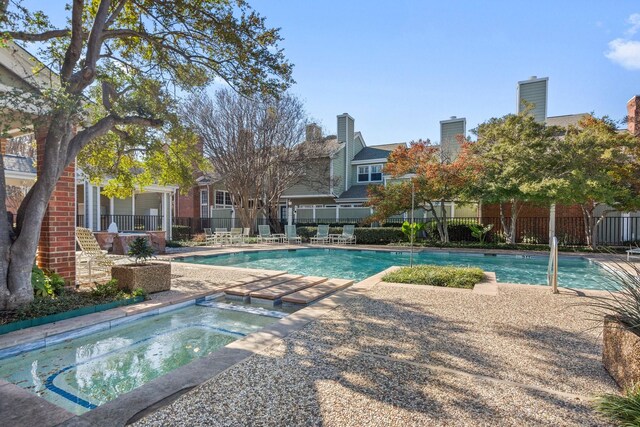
<point x="242" y="292"/>
<point x="252" y="279"/>
<point x="244" y="309"/>
<point x="273" y="294"/>
<point x="314" y="293"/>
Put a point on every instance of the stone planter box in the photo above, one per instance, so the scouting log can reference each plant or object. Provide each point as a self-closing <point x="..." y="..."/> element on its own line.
<point x="153" y="277"/>
<point x="621" y="354"/>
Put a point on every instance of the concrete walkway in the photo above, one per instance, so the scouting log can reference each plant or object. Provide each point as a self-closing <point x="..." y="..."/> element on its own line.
<point x="415" y="356"/>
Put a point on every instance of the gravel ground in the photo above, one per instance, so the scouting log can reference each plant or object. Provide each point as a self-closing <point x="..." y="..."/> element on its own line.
<point x="378" y="360"/>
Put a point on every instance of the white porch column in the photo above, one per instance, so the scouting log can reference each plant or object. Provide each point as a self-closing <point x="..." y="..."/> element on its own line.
<point x="314" y="213"/>
<point x="89" y="205"/>
<point x="337" y="212"/>
<point x="98" y="210"/>
<point x="626" y="227"/>
<point x="552" y="223"/>
<point x="112" y="207"/>
<point x="233" y="218"/>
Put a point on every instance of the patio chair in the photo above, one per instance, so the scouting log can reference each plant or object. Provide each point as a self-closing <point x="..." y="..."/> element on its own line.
<point x="322" y="235"/>
<point x="91" y="254"/>
<point x="348" y="235"/>
<point x="632" y="252"/>
<point x="221" y="235"/>
<point x="290" y="234"/>
<point x="246" y="232"/>
<point x="209" y="236"/>
<point x="264" y="235"/>
<point x="235" y="236"/>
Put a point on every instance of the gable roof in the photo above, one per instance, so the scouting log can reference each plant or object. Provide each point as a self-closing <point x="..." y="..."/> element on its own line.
<point x="566" y="120"/>
<point x="19" y="164"/>
<point x="370" y="153"/>
<point x="390" y="147"/>
<point x="354" y="192"/>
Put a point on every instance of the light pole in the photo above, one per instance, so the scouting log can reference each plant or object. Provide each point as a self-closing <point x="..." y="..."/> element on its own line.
<point x="412" y="227"/>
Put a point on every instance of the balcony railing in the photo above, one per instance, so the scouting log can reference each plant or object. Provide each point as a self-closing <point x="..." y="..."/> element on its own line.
<point x="125" y="222"/>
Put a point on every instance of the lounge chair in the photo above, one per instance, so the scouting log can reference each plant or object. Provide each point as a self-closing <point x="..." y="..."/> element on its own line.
<point x="322" y="235"/>
<point x="246" y="232"/>
<point x="633" y="251"/>
<point x="91" y="254"/>
<point x="290" y="234"/>
<point x="264" y="235"/>
<point x="348" y="235"/>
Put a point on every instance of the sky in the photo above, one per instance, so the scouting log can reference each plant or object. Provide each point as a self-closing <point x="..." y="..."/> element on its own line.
<point x="399" y="67"/>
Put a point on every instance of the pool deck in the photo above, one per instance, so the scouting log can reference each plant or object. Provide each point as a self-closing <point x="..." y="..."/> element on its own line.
<point x="373" y="354"/>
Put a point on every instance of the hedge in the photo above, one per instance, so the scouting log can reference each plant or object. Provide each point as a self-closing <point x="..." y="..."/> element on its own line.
<point x="436" y="275"/>
<point x="364" y="235"/>
<point x="181" y="232"/>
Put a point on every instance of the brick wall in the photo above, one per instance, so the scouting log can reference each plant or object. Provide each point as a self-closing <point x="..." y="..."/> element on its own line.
<point x="57" y="246"/>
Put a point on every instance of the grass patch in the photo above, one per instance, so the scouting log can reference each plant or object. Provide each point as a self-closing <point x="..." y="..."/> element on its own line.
<point x="622" y="410"/>
<point x="436" y="275"/>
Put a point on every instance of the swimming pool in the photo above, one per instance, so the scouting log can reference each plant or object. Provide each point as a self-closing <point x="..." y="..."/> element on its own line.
<point x="574" y="272"/>
<point x="83" y="373"/>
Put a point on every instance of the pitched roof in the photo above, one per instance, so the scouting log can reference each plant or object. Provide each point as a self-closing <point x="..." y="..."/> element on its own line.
<point x="355" y="192"/>
<point x="390" y="147"/>
<point x="19" y="164"/>
<point x="566" y="120"/>
<point x="369" y="153"/>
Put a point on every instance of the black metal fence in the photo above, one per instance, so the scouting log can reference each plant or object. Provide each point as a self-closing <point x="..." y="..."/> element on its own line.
<point x="613" y="231"/>
<point x="126" y="222"/>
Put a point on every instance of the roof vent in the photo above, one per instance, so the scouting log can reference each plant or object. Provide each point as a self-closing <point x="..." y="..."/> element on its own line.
<point x="533" y="77"/>
<point x="453" y="117"/>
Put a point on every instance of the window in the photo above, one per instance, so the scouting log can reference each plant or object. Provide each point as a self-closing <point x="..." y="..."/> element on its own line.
<point x="223" y="199"/>
<point x="204" y="204"/>
<point x="363" y="173"/>
<point x="371" y="173"/>
<point x="376" y="173"/>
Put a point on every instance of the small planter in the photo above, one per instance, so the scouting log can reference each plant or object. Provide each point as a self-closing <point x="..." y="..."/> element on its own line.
<point x="621" y="354"/>
<point x="154" y="277"/>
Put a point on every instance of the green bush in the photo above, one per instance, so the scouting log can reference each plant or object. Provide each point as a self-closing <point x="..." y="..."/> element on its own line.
<point x="46" y="284"/>
<point x="622" y="410"/>
<point x="181" y="232"/>
<point x="174" y="243"/>
<point x="140" y="250"/>
<point x="436" y="275"/>
<point x="106" y="290"/>
<point x="364" y="235"/>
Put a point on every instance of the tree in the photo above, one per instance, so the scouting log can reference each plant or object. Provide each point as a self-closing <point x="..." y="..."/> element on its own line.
<point x="601" y="171"/>
<point x="432" y="175"/>
<point x="119" y="66"/>
<point x="254" y="144"/>
<point x="519" y="160"/>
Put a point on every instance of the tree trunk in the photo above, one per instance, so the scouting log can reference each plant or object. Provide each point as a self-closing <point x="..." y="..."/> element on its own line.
<point x="514" y="219"/>
<point x="441" y="222"/>
<point x="445" y="226"/>
<point x="590" y="231"/>
<point x="505" y="227"/>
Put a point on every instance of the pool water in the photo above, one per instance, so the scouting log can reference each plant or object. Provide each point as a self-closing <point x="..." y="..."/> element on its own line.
<point x="86" y="372"/>
<point x="573" y="272"/>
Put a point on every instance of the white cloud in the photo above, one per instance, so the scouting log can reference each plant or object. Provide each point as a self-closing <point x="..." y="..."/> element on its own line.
<point x="625" y="53"/>
<point x="634" y="21"/>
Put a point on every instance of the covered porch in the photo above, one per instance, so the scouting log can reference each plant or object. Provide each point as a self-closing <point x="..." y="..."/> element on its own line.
<point x="147" y="210"/>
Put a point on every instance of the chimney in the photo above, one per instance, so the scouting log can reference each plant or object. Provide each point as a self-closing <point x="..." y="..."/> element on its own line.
<point x="533" y="92"/>
<point x="345" y="128"/>
<point x="313" y="133"/>
<point x="449" y="131"/>
<point x="633" y="115"/>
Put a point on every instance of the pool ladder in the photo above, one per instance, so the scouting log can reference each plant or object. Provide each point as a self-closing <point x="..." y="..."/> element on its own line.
<point x="552" y="269"/>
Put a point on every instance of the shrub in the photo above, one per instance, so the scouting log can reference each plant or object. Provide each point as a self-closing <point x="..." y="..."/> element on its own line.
<point x="106" y="290"/>
<point x="46" y="284"/>
<point x="364" y="235"/>
<point x="181" y="232"/>
<point x="622" y="410"/>
<point x="436" y="275"/>
<point x="140" y="250"/>
<point x="173" y="244"/>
